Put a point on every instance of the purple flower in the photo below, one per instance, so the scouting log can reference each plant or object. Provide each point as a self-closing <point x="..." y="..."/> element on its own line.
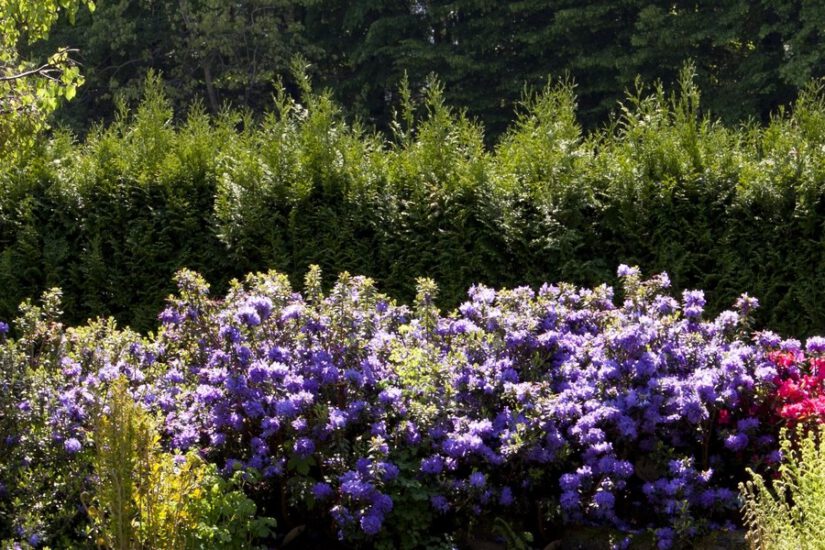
<point x="604" y="499"/>
<point x="341" y="515"/>
<point x="70" y="368"/>
<point x="353" y="484"/>
<point x="664" y="538"/>
<point x="790" y="344"/>
<point x="286" y="408"/>
<point x="253" y="409"/>
<point x="569" y="500"/>
<point x="230" y="333"/>
<point x="371" y="524"/>
<point x="457" y="446"/>
<point x="774" y="457"/>
<point x="169" y="316"/>
<point x="292" y="311"/>
<point x="382" y="503"/>
<point x="439" y="503"/>
<point x="694" y="303"/>
<point x="248" y="315"/>
<point x="627" y="271"/>
<point x="174" y="376"/>
<point x="815" y="344"/>
<point x="745" y="304"/>
<point x="468" y="309"/>
<point x="432" y="465"/>
<point x="665" y="305"/>
<point x="482" y="294"/>
<point x="208" y="394"/>
<point x="322" y="491"/>
<point x="390" y="396"/>
<point x="463" y="326"/>
<point x="569" y="482"/>
<point x="747" y="424"/>
<point x="304" y="447"/>
<point x="390" y="471"/>
<point x="300" y="424"/>
<point x="768" y="339"/>
<point x="262" y="305"/>
<point x="736" y="442"/>
<point x="72" y="445"/>
<point x="337" y="419"/>
<point x="477" y="480"/>
<point x="727" y="320"/>
<point x="693" y="298"/>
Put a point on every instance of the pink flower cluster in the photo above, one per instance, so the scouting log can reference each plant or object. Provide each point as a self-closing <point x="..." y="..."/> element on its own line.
<point x="800" y="383"/>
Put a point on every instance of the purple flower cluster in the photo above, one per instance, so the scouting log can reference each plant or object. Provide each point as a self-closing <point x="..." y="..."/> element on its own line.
<point x="633" y="413"/>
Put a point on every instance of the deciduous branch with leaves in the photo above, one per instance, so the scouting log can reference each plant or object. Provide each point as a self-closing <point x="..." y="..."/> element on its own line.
<point x="30" y="89"/>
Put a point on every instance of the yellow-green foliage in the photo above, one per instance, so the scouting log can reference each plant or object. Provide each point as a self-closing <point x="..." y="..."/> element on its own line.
<point x="149" y="499"/>
<point x="29" y="90"/>
<point x="789" y="512"/>
<point x="125" y="465"/>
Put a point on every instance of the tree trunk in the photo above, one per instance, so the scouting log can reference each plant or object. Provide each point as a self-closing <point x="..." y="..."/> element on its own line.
<point x="210" y="88"/>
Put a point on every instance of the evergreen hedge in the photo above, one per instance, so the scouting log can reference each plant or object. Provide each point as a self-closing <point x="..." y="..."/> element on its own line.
<point x="109" y="219"/>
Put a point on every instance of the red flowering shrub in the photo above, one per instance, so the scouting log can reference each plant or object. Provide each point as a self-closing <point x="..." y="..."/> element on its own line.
<point x="800" y="383"/>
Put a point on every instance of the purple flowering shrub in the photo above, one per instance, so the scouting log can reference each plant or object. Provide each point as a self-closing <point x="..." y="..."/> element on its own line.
<point x="604" y="414"/>
<point x="294" y="387"/>
<point x="398" y="426"/>
<point x="50" y="381"/>
<point x="556" y="402"/>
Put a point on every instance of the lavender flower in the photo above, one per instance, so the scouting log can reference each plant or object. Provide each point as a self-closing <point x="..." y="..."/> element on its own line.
<point x="72" y="445"/>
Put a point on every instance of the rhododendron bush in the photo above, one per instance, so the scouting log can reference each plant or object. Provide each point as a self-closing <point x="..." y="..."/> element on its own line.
<point x="382" y="424"/>
<point x="800" y="395"/>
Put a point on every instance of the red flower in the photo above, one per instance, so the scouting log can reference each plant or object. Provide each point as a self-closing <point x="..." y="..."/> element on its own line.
<point x="799" y="396"/>
<point x="789" y="390"/>
<point x="782" y="359"/>
<point x="724" y="417"/>
<point x="797" y="411"/>
<point x="819" y="406"/>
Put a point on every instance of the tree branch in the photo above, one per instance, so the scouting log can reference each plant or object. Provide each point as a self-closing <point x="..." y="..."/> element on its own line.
<point x="43" y="70"/>
<point x="24" y="74"/>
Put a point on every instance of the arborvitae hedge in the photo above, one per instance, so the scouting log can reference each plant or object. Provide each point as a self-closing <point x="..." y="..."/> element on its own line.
<point x="664" y="186"/>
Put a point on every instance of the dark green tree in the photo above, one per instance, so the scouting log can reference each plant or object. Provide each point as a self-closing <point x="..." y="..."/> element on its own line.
<point x="365" y="47"/>
<point x="749" y="56"/>
<point x="213" y="51"/>
<point x="737" y="48"/>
